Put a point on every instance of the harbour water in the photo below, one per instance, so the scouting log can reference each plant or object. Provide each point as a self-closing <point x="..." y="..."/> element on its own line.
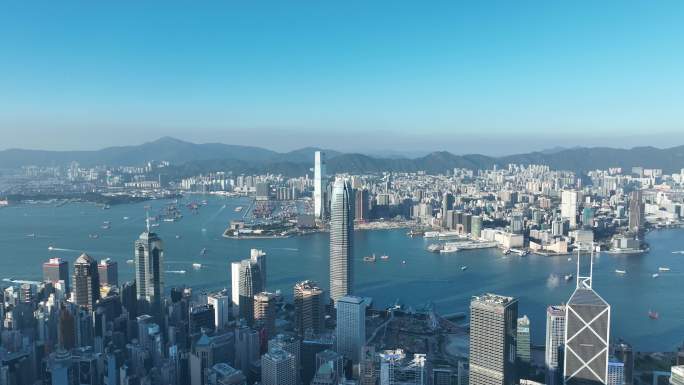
<point x="424" y="277"/>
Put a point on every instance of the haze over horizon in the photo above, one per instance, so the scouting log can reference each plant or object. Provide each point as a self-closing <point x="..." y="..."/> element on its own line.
<point x="493" y="78"/>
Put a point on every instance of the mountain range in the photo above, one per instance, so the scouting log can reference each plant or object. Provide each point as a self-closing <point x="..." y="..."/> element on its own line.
<point x="190" y="159"/>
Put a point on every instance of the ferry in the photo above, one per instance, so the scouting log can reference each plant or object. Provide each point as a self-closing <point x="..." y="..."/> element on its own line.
<point x="568" y="277"/>
<point x="620" y="272"/>
<point x="663" y="269"/>
<point x="653" y="315"/>
<point x="196" y="266"/>
<point x="467" y="245"/>
<point x="369" y="258"/>
<point x="384" y="257"/>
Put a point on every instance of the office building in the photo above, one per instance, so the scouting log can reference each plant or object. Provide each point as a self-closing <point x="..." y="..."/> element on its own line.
<point x="55" y="270"/>
<point x="362" y="205"/>
<point x="677" y="375"/>
<point x="259" y="258"/>
<point x="523" y="340"/>
<point x="247" y="348"/>
<point x="249" y="285"/>
<point x="475" y="226"/>
<point x="224" y="374"/>
<point x="351" y="327"/>
<point x="555" y="339"/>
<point x="398" y="368"/>
<point x="616" y="372"/>
<point x="636" y="211"/>
<point x="587" y="331"/>
<point x="86" y="282"/>
<point x="493" y="324"/>
<point x="221" y="304"/>
<point x="517" y="222"/>
<point x="235" y="287"/>
<point x="569" y="199"/>
<point x="265" y="312"/>
<point x="149" y="272"/>
<point x="320" y="184"/>
<point x="309" y="302"/>
<point x="109" y="272"/>
<point x="278" y="367"/>
<point x="623" y="352"/>
<point x="341" y="240"/>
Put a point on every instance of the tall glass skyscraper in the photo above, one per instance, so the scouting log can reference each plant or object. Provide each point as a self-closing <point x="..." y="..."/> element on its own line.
<point x="86" y="282"/>
<point x="493" y="325"/>
<point x="341" y="238"/>
<point x="149" y="268"/>
<point x="587" y="332"/>
<point x="319" y="184"/>
<point x="350" y="332"/>
<point x="555" y="338"/>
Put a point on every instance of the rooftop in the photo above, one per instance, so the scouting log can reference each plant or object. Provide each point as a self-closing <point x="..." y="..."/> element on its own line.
<point x="493" y="299"/>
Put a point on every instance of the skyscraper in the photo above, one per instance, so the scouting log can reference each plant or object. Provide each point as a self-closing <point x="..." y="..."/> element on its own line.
<point x="616" y="372"/>
<point x="476" y="226"/>
<point x="265" y="311"/>
<point x="221" y="304"/>
<point x="319" y="184"/>
<point x="361" y="207"/>
<point x="523" y="340"/>
<point x="587" y="332"/>
<point x="109" y="274"/>
<point x="149" y="268"/>
<point x="555" y="338"/>
<point x="341" y="239"/>
<point x="259" y="257"/>
<point x="351" y="327"/>
<point x="86" y="282"/>
<point x="309" y="302"/>
<point x="624" y="353"/>
<point x="249" y="285"/>
<point x="569" y="200"/>
<point x="235" y="287"/>
<point x="55" y="270"/>
<point x="493" y="324"/>
<point x="278" y="367"/>
<point x="636" y="211"/>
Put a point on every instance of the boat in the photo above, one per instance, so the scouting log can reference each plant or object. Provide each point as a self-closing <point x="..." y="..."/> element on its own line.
<point x="105" y="227"/>
<point x="655" y="275"/>
<point x="384" y="257"/>
<point x="238" y="209"/>
<point x="620" y="272"/>
<point x="203" y="251"/>
<point x="467" y="245"/>
<point x="50" y="248"/>
<point x="105" y="207"/>
<point x="415" y="233"/>
<point x="178" y="236"/>
<point x="569" y="259"/>
<point x="663" y="269"/>
<point x="369" y="258"/>
<point x="653" y="314"/>
<point x="507" y="251"/>
<point x="176" y="271"/>
<point x="568" y="277"/>
<point x="431" y="234"/>
<point x="130" y="261"/>
<point x="32" y="235"/>
<point x="435" y="247"/>
<point x="463" y="268"/>
<point x="93" y="236"/>
<point x="172" y="219"/>
<point x="125" y="218"/>
<point x="154" y="225"/>
<point x="196" y="266"/>
<point x="204" y="202"/>
<point x="403" y="262"/>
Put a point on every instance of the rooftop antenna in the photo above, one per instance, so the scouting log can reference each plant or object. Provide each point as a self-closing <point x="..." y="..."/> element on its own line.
<point x="584" y="281"/>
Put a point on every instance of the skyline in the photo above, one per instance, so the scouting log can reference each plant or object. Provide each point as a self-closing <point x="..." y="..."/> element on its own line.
<point x="493" y="78"/>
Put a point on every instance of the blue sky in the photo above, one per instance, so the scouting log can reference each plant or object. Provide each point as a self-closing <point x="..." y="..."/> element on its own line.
<point x="481" y="76"/>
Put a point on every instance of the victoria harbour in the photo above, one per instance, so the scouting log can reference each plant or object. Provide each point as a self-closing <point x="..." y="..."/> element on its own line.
<point x="411" y="276"/>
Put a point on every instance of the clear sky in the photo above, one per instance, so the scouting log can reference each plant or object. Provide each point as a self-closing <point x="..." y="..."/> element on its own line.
<point x="479" y="76"/>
